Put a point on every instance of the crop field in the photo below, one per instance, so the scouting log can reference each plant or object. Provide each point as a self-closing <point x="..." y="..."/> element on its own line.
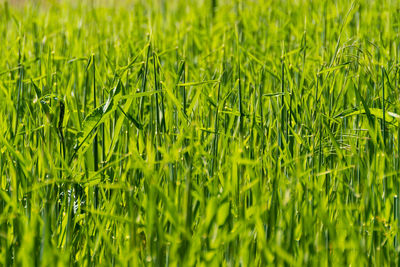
<point x="199" y="133"/>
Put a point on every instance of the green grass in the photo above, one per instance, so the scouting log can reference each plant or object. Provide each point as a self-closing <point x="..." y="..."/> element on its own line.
<point x="207" y="133"/>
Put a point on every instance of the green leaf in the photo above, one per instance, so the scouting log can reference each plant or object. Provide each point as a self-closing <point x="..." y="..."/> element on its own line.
<point x="366" y="109"/>
<point x="333" y="140"/>
<point x="95" y="118"/>
<point x="391" y="117"/>
<point x="197" y="83"/>
<point x="44" y="105"/>
<point x="118" y="126"/>
<point x="333" y="68"/>
<point x="210" y="211"/>
<point x="223" y="213"/>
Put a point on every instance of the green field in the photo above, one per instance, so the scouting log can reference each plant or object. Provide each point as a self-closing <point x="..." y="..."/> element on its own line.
<point x="199" y="133"/>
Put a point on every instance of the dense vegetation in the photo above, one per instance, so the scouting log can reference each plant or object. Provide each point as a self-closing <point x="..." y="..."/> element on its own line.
<point x="214" y="132"/>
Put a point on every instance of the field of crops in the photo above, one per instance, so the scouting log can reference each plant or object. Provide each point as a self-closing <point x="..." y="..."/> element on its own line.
<point x="199" y="132"/>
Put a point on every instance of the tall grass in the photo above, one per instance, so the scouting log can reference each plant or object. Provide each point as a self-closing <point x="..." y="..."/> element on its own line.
<point x="180" y="133"/>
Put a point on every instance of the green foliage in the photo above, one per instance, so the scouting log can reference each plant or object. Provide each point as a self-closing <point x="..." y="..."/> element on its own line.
<point x="199" y="133"/>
